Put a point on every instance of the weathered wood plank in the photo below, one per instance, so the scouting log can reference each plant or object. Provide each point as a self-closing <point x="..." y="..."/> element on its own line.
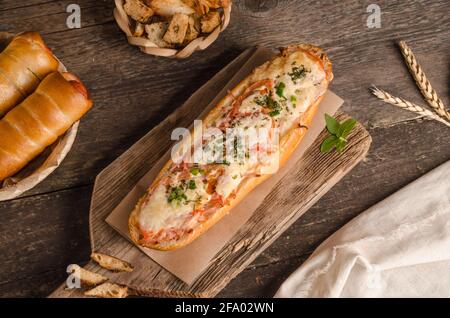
<point x="122" y="79"/>
<point x="261" y="281"/>
<point x="51" y="16"/>
<point x="385" y="170"/>
<point x="39" y="237"/>
<point x="14" y="4"/>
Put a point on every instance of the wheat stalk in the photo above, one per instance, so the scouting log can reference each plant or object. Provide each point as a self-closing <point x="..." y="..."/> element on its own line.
<point x="422" y="82"/>
<point x="404" y="104"/>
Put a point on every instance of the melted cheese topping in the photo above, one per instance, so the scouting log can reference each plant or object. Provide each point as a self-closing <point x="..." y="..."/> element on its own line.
<point x="297" y="81"/>
<point x="231" y="178"/>
<point x="159" y="213"/>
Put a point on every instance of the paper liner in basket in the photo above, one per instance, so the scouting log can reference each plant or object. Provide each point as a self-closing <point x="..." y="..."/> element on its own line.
<point x="149" y="47"/>
<point x="42" y="166"/>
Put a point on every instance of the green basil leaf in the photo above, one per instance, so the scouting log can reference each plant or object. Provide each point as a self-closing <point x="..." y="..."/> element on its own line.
<point x="294" y="101"/>
<point x="340" y="145"/>
<point x="274" y="113"/>
<point x="176" y="194"/>
<point x="328" y="144"/>
<point x="192" y="185"/>
<point x="346" y="127"/>
<point x="332" y="124"/>
<point x="280" y="89"/>
<point x="195" y="171"/>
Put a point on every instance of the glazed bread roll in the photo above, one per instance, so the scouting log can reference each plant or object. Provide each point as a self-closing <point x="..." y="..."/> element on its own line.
<point x="187" y="198"/>
<point x="23" y="64"/>
<point x="58" y="102"/>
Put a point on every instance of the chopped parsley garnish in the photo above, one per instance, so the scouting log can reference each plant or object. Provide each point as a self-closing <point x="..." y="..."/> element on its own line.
<point x="294" y="101"/>
<point x="272" y="104"/>
<point x="235" y="177"/>
<point x="269" y="102"/>
<point x="274" y="113"/>
<point x="195" y="171"/>
<point x="176" y="194"/>
<point x="297" y="73"/>
<point x="192" y="185"/>
<point x="279" y="89"/>
<point x="261" y="100"/>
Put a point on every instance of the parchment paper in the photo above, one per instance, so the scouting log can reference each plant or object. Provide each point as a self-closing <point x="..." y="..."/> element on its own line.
<point x="188" y="263"/>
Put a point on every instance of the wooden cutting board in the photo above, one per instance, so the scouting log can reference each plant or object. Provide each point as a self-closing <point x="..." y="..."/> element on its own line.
<point x="294" y="194"/>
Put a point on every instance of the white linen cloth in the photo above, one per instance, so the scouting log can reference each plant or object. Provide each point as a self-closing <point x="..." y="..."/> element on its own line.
<point x="400" y="247"/>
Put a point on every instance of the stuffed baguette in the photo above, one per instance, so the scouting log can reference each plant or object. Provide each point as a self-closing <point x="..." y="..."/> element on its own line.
<point x="187" y="199"/>
<point x="58" y="102"/>
<point x="23" y="64"/>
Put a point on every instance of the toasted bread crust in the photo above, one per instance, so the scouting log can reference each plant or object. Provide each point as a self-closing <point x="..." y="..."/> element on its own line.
<point x="288" y="144"/>
<point x="108" y="290"/>
<point x="111" y="263"/>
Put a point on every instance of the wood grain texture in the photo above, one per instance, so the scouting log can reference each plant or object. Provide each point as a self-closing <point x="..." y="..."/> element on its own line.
<point x="310" y="178"/>
<point x="134" y="92"/>
<point x="387" y="172"/>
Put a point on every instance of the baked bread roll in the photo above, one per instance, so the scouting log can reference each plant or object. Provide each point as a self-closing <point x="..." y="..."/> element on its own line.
<point x="23" y="64"/>
<point x="187" y="198"/>
<point x="58" y="102"/>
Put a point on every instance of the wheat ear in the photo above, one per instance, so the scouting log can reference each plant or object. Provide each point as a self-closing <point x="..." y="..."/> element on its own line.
<point x="422" y="82"/>
<point x="402" y="103"/>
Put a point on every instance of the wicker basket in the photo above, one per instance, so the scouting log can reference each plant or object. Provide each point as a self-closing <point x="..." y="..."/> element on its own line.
<point x="42" y="166"/>
<point x="147" y="46"/>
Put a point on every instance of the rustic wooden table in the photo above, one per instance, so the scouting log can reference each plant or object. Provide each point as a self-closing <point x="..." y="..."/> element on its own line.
<point x="47" y="228"/>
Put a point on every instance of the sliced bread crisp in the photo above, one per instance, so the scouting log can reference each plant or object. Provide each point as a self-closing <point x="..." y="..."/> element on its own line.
<point x="210" y="21"/>
<point x="139" y="29"/>
<point x="138" y="11"/>
<point x="87" y="277"/>
<point x="111" y="263"/>
<point x="155" y="33"/>
<point x="108" y="290"/>
<point x="193" y="29"/>
<point x="168" y="8"/>
<point x="177" y="29"/>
